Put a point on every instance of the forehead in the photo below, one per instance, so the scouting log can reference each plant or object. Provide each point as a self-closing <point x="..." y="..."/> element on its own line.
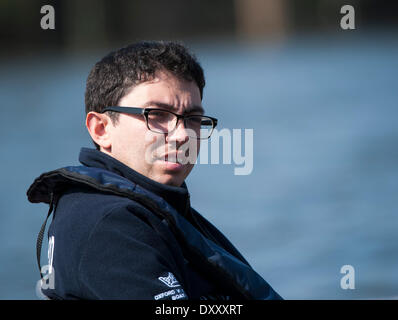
<point x="166" y="88"/>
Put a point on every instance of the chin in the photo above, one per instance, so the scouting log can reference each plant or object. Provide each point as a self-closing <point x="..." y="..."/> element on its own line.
<point x="171" y="174"/>
<point x="170" y="180"/>
<point x="173" y="182"/>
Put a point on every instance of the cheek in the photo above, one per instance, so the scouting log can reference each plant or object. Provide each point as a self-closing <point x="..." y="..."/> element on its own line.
<point x="122" y="141"/>
<point x="153" y="146"/>
<point x="128" y="133"/>
<point x="194" y="147"/>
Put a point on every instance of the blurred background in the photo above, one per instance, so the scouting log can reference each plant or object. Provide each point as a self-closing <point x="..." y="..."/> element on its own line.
<point x="322" y="102"/>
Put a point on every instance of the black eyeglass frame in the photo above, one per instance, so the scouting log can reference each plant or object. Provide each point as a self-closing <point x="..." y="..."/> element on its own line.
<point x="145" y="113"/>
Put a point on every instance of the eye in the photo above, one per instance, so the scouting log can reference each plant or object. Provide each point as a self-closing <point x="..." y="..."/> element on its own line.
<point x="157" y="113"/>
<point x="160" y="116"/>
<point x="196" y="119"/>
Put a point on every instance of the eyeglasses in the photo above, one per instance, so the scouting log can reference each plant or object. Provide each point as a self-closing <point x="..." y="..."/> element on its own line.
<point x="164" y="121"/>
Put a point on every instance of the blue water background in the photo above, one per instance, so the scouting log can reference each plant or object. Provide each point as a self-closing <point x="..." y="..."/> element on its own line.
<point x="323" y="191"/>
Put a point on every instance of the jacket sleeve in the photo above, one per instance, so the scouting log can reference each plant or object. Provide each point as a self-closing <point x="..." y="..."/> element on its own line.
<point x="125" y="258"/>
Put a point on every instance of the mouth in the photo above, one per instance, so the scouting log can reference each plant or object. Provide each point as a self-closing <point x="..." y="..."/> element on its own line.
<point x="173" y="158"/>
<point x="170" y="162"/>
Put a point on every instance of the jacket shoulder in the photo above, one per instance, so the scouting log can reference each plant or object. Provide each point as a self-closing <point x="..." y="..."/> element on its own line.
<point x="80" y="209"/>
<point x="91" y="227"/>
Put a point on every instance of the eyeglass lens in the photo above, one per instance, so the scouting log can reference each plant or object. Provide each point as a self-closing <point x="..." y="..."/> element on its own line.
<point x="163" y="122"/>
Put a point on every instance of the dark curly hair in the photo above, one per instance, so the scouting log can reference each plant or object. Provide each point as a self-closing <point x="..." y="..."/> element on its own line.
<point x="111" y="78"/>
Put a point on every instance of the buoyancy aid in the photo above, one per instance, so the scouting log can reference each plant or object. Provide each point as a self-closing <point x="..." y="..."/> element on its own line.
<point x="231" y="269"/>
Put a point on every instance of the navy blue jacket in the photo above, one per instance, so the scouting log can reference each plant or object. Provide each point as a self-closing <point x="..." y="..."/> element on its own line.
<point x="109" y="242"/>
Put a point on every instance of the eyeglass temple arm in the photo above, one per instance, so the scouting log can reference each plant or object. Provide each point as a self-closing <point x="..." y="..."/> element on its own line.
<point x="130" y="110"/>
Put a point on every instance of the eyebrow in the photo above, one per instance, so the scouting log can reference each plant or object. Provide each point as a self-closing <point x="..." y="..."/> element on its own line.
<point x="169" y="106"/>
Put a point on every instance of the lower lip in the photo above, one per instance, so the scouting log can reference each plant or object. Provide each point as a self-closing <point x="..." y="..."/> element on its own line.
<point x="172" y="165"/>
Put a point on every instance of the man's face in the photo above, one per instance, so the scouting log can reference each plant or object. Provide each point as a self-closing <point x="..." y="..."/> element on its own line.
<point x="136" y="146"/>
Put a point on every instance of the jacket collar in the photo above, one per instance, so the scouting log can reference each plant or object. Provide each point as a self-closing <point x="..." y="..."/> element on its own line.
<point x="178" y="197"/>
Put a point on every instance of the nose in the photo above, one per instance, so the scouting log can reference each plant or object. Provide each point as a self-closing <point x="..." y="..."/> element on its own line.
<point x="179" y="134"/>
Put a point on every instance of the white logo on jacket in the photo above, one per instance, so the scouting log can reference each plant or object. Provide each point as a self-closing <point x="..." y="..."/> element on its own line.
<point x="51" y="254"/>
<point x="170" y="280"/>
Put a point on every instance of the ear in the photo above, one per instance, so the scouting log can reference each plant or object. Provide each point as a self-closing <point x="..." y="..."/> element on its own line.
<point x="98" y="126"/>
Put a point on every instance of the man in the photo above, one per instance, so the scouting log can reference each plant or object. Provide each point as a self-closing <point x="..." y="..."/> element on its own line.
<point x="123" y="227"/>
